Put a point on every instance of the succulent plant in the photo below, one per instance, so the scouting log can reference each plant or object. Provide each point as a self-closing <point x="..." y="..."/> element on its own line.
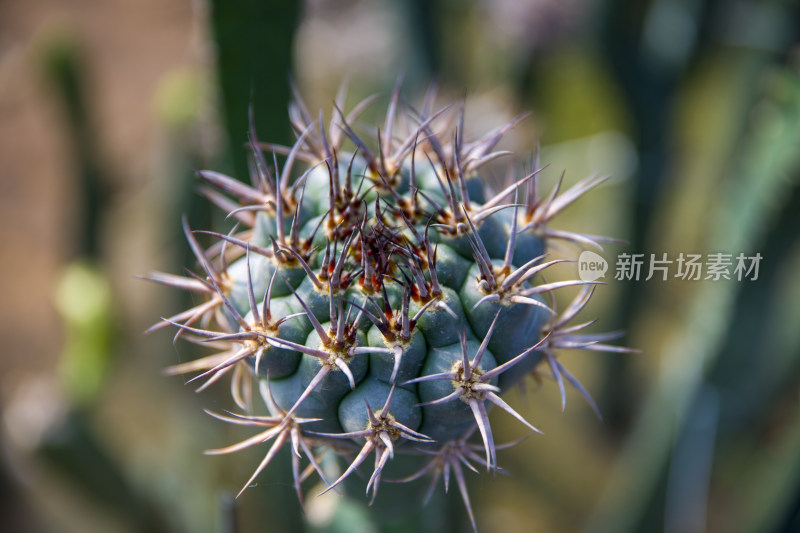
<point x="375" y="294"/>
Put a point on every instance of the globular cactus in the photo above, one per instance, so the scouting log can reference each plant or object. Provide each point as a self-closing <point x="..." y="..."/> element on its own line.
<point x="376" y="295"/>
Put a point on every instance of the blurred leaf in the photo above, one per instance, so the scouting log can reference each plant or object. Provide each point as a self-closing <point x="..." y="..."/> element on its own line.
<point x="773" y="485"/>
<point x="62" y="62"/>
<point x="73" y="450"/>
<point x="83" y="299"/>
<point x="747" y="203"/>
<point x="254" y="60"/>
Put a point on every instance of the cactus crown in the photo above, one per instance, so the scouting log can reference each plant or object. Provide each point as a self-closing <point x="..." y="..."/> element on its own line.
<point x="379" y="299"/>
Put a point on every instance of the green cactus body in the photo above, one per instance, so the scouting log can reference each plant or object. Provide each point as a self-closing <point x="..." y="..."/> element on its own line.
<point x="395" y="302"/>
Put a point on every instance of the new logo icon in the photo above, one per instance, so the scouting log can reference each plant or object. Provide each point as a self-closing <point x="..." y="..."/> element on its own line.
<point x="591" y="266"/>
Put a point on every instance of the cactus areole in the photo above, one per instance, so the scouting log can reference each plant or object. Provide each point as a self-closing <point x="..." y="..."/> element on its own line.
<point x="375" y="298"/>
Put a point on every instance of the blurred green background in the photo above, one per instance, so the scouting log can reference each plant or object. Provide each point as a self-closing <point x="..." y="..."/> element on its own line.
<point x="692" y="106"/>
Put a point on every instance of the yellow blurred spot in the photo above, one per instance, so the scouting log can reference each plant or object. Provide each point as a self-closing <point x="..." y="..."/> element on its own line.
<point x="179" y="98"/>
<point x="82" y="294"/>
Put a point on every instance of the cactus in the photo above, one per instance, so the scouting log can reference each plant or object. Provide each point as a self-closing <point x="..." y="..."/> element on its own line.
<point x="376" y="296"/>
